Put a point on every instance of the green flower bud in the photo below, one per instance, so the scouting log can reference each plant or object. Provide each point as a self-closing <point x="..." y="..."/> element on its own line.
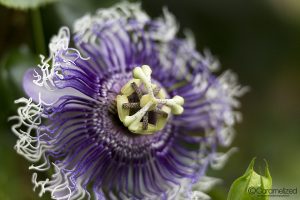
<point x="251" y="186"/>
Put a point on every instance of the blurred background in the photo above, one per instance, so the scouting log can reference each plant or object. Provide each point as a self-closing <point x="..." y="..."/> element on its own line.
<point x="259" y="40"/>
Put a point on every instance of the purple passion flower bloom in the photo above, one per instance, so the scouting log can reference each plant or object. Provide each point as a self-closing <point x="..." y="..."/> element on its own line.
<point x="129" y="112"/>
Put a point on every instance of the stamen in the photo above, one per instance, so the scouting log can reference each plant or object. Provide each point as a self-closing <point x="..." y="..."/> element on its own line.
<point x="134" y="119"/>
<point x="131" y="105"/>
<point x="135" y="115"/>
<point x="145" y="121"/>
<point x="137" y="90"/>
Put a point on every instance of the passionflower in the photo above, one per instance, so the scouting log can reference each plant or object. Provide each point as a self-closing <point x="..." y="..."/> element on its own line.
<point x="130" y="112"/>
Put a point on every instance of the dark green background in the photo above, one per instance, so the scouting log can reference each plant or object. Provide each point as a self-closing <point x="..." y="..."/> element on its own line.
<point x="259" y="40"/>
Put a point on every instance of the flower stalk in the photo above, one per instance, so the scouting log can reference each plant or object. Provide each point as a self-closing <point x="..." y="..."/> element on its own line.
<point x="38" y="33"/>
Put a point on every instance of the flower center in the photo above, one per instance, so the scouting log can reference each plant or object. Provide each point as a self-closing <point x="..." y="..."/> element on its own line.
<point x="142" y="106"/>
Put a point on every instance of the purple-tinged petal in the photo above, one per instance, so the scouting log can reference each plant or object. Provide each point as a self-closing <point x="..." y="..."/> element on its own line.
<point x="48" y="96"/>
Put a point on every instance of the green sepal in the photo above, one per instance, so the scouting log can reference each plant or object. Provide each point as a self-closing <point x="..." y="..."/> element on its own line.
<point x="248" y="186"/>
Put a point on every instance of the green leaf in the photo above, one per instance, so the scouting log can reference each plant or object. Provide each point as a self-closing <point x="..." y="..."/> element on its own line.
<point x="251" y="186"/>
<point x="24" y="4"/>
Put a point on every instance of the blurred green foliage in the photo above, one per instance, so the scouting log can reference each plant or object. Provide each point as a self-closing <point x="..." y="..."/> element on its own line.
<point x="254" y="38"/>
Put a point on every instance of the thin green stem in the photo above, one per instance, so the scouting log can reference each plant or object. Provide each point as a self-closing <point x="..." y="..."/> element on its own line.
<point x="38" y="33"/>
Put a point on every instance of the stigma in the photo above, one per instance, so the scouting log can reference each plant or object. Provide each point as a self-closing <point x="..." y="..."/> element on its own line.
<point x="143" y="107"/>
